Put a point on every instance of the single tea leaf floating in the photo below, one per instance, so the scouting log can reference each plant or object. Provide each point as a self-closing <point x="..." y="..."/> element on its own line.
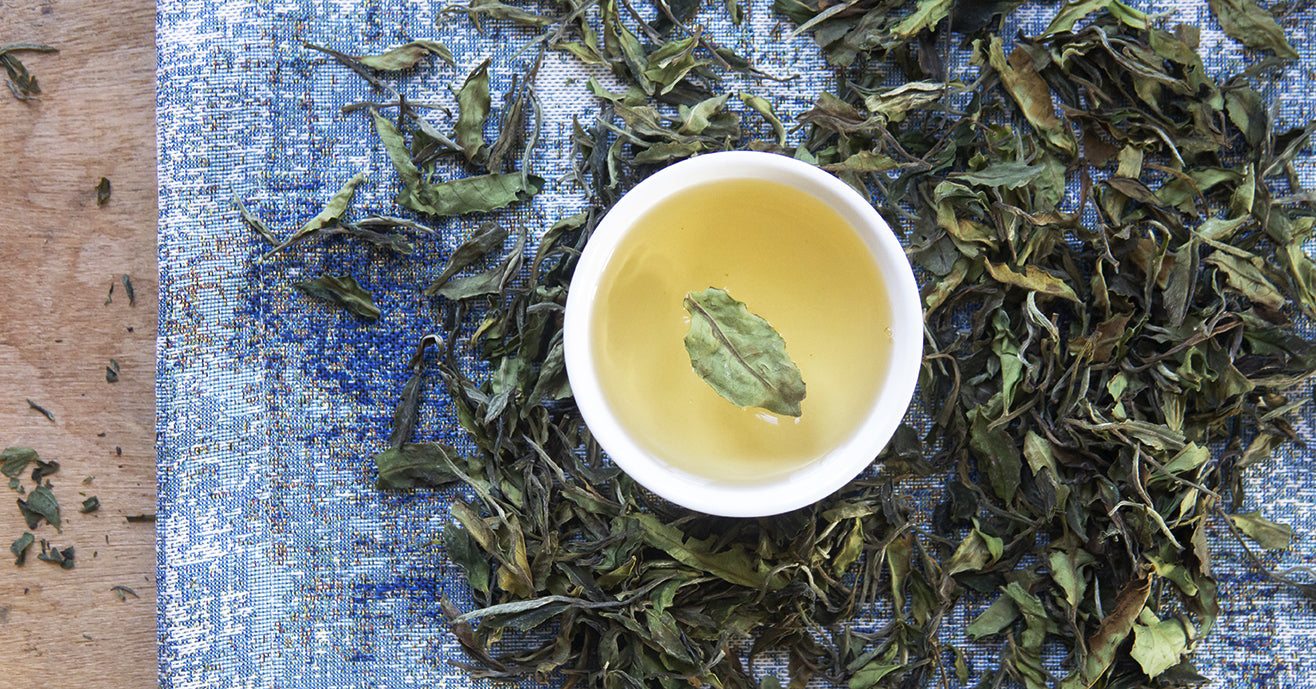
<point x="740" y="355"/>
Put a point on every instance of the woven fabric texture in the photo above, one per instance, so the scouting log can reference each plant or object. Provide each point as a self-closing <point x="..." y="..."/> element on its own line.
<point x="280" y="565"/>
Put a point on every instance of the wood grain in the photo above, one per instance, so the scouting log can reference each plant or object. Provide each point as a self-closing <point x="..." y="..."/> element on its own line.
<point x="59" y="255"/>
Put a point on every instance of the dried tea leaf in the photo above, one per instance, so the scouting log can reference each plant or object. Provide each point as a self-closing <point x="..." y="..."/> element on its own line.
<point x="472" y="110"/>
<point x="740" y="355"/>
<point x="14" y="460"/>
<point x="1254" y="27"/>
<point x="491" y="281"/>
<point x="488" y="236"/>
<point x="1005" y="175"/>
<point x="128" y="289"/>
<point x="329" y="215"/>
<point x="472" y="194"/>
<point x="1033" y="278"/>
<point x="123" y="592"/>
<point x="40" y="410"/>
<point x="40" y="504"/>
<point x="764" y="108"/>
<point x="19" y="547"/>
<point x="91" y="504"/>
<point x="112" y="372"/>
<point x="406" y="56"/>
<point x="21" y="83"/>
<point x="1246" y="278"/>
<point x="103" y="192"/>
<point x="500" y="10"/>
<point x="1267" y="534"/>
<point x="255" y="223"/>
<point x="1031" y="92"/>
<point x="343" y="291"/>
<point x="416" y="465"/>
<point x="1158" y="646"/>
<point x="1075" y="10"/>
<point x="63" y="558"/>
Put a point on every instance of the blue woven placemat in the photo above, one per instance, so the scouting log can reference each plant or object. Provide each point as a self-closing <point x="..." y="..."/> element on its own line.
<point x="280" y="565"/>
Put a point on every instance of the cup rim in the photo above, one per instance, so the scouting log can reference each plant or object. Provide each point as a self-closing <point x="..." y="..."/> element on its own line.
<point x="816" y="480"/>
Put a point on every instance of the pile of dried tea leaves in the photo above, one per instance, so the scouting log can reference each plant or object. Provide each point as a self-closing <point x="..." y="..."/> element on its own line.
<point x="1111" y="242"/>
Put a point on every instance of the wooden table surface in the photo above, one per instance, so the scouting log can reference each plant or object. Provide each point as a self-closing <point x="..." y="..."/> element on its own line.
<point x="59" y="255"/>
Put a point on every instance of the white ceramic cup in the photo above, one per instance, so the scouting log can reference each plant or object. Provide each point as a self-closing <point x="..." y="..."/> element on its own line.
<point x="819" y="478"/>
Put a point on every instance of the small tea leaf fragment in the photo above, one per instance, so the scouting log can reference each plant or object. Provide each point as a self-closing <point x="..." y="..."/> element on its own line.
<point x="1267" y="534"/>
<point x="341" y="290"/>
<point x="14" y="460"/>
<point x="416" y="465"/>
<point x="254" y="222"/>
<point x="41" y="410"/>
<point x="128" y="289"/>
<point x="91" y="504"/>
<point x="740" y="355"/>
<point x="112" y="372"/>
<point x="123" y="592"/>
<point x="40" y="504"/>
<point x="406" y="56"/>
<point x="20" y="546"/>
<point x="21" y="82"/>
<point x="63" y="558"/>
<point x="103" y="192"/>
<point x="1254" y="27"/>
<point x="139" y="518"/>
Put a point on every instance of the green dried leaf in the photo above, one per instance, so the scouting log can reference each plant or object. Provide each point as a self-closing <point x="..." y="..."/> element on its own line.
<point x="343" y="291"/>
<point x="1247" y="278"/>
<point x="488" y="236"/>
<point x="1033" y="278"/>
<point x="1246" y="22"/>
<point x="112" y="372"/>
<point x="20" y="546"/>
<point x="764" y="108"/>
<point x="1005" y="175"/>
<point x="740" y="355"/>
<point x="103" y="192"/>
<point x="1158" y="646"/>
<point x="329" y="215"/>
<point x="1031" y="92"/>
<point x="406" y="56"/>
<point x="491" y="281"/>
<point x="1267" y="534"/>
<point x="255" y="223"/>
<point x="14" y="460"/>
<point x="1114" y="629"/>
<point x="733" y="565"/>
<point x="91" y="504"/>
<point x="40" y="504"/>
<point x="63" y="558"/>
<point x="500" y="10"/>
<point x="472" y="111"/>
<point x="1075" y="10"/>
<point x="416" y="465"/>
<point x="994" y="619"/>
<point x="471" y="194"/>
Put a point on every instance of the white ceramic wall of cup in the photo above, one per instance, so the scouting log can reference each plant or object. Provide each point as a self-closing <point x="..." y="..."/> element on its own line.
<point x="842" y="463"/>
